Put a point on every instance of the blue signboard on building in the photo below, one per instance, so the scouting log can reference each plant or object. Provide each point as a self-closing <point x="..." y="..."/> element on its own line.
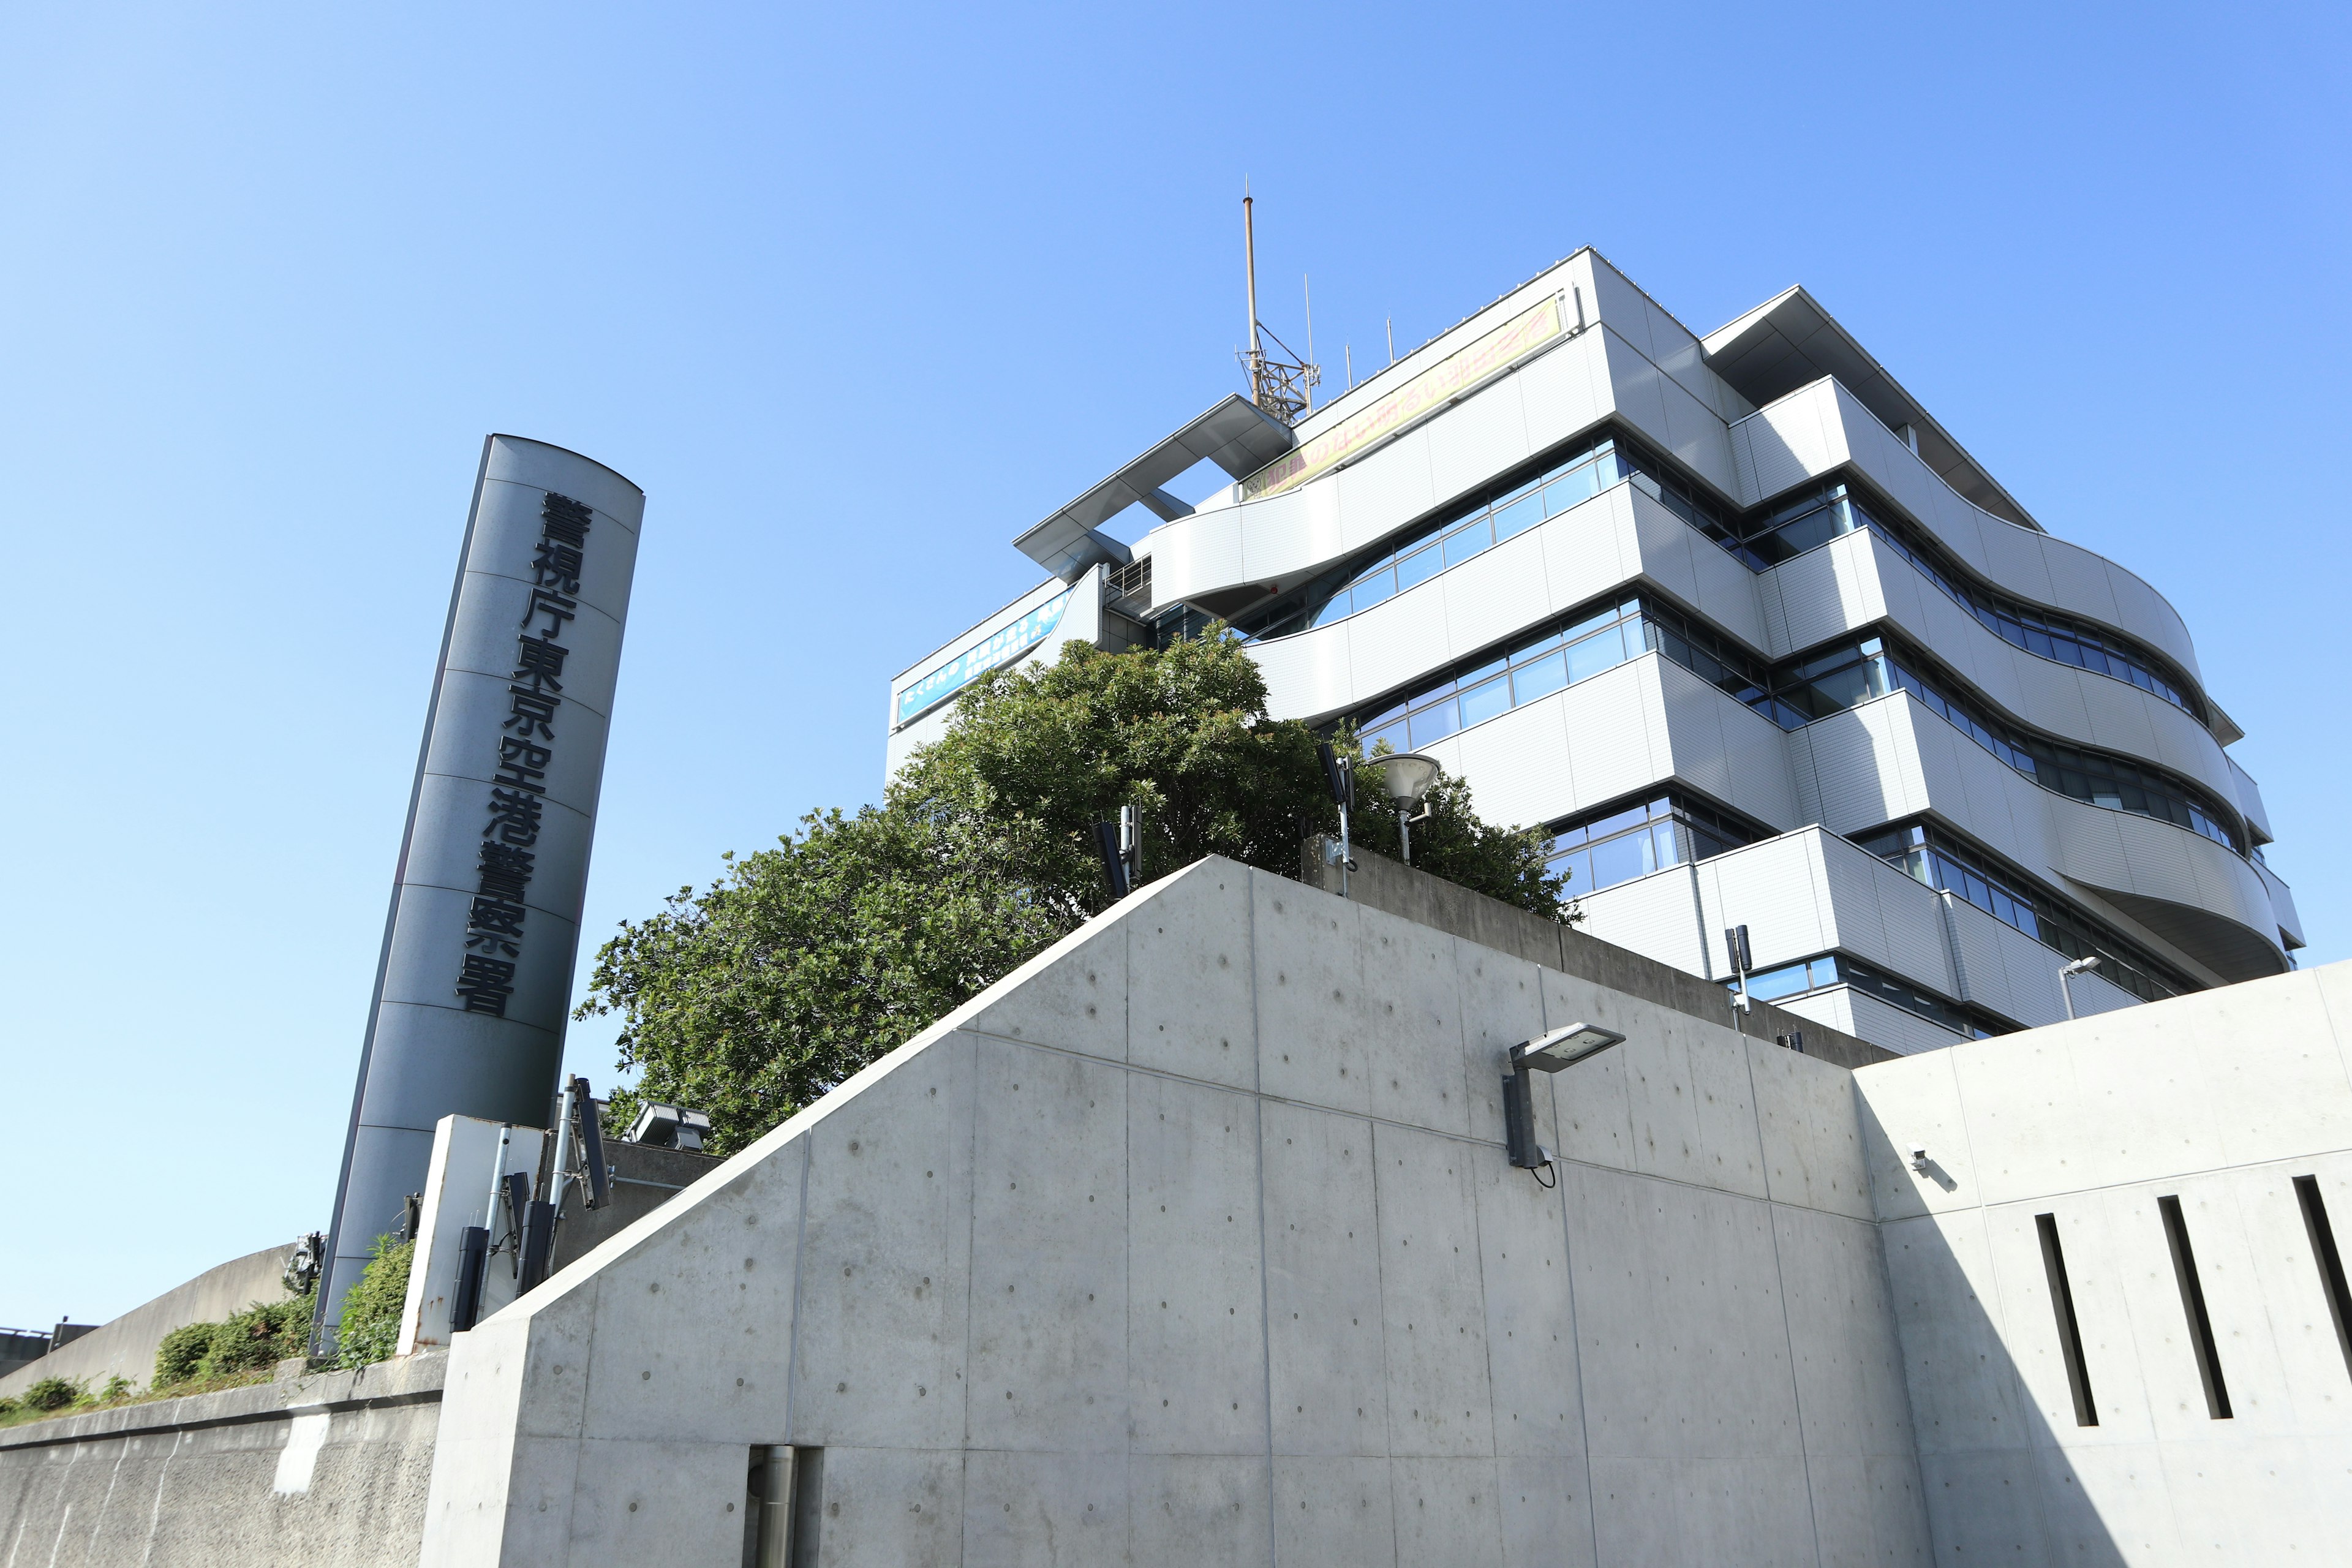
<point x="1000" y="647"/>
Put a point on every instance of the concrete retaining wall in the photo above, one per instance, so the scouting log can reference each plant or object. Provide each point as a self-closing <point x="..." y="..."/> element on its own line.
<point x="126" y="1347"/>
<point x="1194" y="1242"/>
<point x="324" y="1471"/>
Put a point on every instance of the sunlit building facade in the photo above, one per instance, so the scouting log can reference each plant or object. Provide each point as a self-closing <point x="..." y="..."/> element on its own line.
<point x="1742" y="626"/>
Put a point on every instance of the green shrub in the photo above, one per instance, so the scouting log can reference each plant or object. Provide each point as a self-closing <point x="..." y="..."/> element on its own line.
<point x="53" y="1394"/>
<point x="370" y="1330"/>
<point x="8" y="1407"/>
<point x="262" y="1336"/>
<point x="181" y="1352"/>
<point x="116" y="1387"/>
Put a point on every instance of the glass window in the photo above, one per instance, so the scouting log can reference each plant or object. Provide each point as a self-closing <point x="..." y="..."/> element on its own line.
<point x="1622" y="858"/>
<point x="1580" y="483"/>
<point x="1373" y="589"/>
<point x="1539" y="678"/>
<point x="1420" y="566"/>
<point x="1480" y="703"/>
<point x="1432" y="725"/>
<point x="1525" y="512"/>
<point x="1463" y="544"/>
<point x="1771" y="984"/>
<point x="1594" y="654"/>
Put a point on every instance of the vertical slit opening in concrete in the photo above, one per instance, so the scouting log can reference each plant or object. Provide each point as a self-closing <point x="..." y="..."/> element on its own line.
<point x="2192" y="1307"/>
<point x="785" y="1495"/>
<point x="2069" y="1333"/>
<point x="2331" y="1262"/>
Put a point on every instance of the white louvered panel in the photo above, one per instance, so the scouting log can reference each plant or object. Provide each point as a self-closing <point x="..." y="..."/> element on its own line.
<point x="1394" y="642"/>
<point x="1774" y="612"/>
<point x="1385" y="491"/>
<point x="1307" y="676"/>
<point x="1697" y="436"/>
<point x="1884" y="1025"/>
<point x="2047" y="695"/>
<point x="2079" y="581"/>
<point x="1909" y="916"/>
<point x="1721" y="747"/>
<point x="1785" y="445"/>
<point x="1198" y="555"/>
<point x="1986" y="978"/>
<point x="1743" y="459"/>
<point x="1834" y="1008"/>
<point x="1909" y="599"/>
<point x="1812" y="601"/>
<point x="2031" y="971"/>
<point x="1655" y="916"/>
<point x="1612" y="298"/>
<point x="1718" y="586"/>
<point x="1637" y="388"/>
<point x="2015" y="559"/>
<point x="1614" y="732"/>
<point x="2282" y="897"/>
<point x="1474" y="442"/>
<point x="1566" y="392"/>
<point x="1856" y="787"/>
<point x="2093" y="995"/>
<point x="1517" y="765"/>
<point x="1495" y="595"/>
<point x="1774" y="890"/>
<point x="1587" y="550"/>
<point x="1684" y="357"/>
<point x="2121" y="718"/>
<point x="2159" y="862"/>
<point x="1289" y="537"/>
<point x="1894" y="727"/>
<point x="2248" y="795"/>
<point x="2147" y="615"/>
<point x="1805" y="776"/>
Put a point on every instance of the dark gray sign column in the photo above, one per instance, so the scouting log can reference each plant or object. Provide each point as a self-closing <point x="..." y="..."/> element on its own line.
<point x="474" y="982"/>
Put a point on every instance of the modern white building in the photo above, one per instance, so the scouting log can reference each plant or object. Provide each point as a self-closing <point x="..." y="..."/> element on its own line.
<point x="1743" y="626"/>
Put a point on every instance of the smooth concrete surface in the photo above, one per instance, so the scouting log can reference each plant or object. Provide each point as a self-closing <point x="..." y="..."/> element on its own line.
<point x="2221" y="1099"/>
<point x="324" y="1471"/>
<point x="126" y="1347"/>
<point x="463" y="1189"/>
<point x="1397" y="889"/>
<point x="1193" y="1240"/>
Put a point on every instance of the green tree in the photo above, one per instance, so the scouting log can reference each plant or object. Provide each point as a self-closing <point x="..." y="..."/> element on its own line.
<point x="805" y="963"/>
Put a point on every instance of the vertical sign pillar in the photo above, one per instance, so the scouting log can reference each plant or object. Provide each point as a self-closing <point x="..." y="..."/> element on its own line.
<point x="475" y="982"/>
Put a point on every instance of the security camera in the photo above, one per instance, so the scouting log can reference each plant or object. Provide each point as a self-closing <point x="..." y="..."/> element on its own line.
<point x="1919" y="1161"/>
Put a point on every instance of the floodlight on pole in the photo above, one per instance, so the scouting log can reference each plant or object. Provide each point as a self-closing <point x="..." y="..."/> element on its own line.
<point x="2066" y="981"/>
<point x="1406" y="779"/>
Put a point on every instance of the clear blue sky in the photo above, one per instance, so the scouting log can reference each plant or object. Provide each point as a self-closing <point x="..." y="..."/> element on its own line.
<point x="856" y="294"/>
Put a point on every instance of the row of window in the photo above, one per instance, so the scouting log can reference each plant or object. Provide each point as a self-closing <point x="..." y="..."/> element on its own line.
<point x="1760" y="540"/>
<point x="1616" y="844"/>
<point x="1810" y="974"/>
<point x="1578" y="475"/>
<point x="1854" y="673"/>
<point x="1940" y="861"/>
<point x="1792" y="695"/>
<point x="1794" y="526"/>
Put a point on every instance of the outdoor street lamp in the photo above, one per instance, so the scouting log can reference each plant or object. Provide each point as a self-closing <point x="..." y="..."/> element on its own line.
<point x="1406" y="779"/>
<point x="2067" y="982"/>
<point x="1552" y="1052"/>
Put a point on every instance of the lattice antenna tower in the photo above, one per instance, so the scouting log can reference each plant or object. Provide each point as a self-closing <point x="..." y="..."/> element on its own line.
<point x="1282" y="382"/>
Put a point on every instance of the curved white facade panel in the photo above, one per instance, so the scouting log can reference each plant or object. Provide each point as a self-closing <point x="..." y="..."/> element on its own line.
<point x="1653" y="761"/>
<point x="1813" y="432"/>
<point x="1836" y="589"/>
<point x="1891" y="758"/>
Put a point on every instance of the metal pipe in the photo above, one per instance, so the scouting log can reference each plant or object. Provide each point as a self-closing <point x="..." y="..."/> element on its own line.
<point x="776" y="1509"/>
<point x="1249" y="257"/>
<point x="1404" y="836"/>
<point x="555" y="1170"/>
<point x="498" y="1181"/>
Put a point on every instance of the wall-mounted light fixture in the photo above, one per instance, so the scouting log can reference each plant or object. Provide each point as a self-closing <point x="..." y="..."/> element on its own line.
<point x="1554" y="1052"/>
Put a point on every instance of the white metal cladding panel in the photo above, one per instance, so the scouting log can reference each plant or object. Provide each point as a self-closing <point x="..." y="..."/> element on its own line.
<point x="1566" y="390"/>
<point x="1775" y="890"/>
<point x="1703" y="574"/>
<point x="1307" y="677"/>
<point x="1827" y="592"/>
<point x="1637" y="387"/>
<point x="1866" y="1017"/>
<point x="1589" y="550"/>
<point x="2168" y="862"/>
<point x="1784" y="444"/>
<point x="2035" y="567"/>
<point x="1865" y="893"/>
<point x="1478" y="438"/>
<point x="1724" y="748"/>
<point x="1284" y="538"/>
<point x="1198" y="555"/>
<point x="2249" y="797"/>
<point x="1856" y="770"/>
<point x="1516" y="765"/>
<point x="1394" y="642"/>
<point x="1616" y="728"/>
<point x="1997" y="971"/>
<point x="2282" y="899"/>
<point x="1495" y="595"/>
<point x="1697" y="435"/>
<point x="1384" y="492"/>
<point x="1656" y="915"/>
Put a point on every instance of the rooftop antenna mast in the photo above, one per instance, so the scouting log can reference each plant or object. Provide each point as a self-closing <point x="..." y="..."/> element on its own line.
<point x="1282" y="382"/>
